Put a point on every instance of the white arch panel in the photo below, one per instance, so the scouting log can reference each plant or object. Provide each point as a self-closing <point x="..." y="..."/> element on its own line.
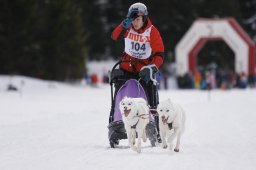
<point x="212" y="29"/>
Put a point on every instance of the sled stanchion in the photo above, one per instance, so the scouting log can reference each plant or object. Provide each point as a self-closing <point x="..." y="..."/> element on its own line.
<point x="112" y="105"/>
<point x="154" y="95"/>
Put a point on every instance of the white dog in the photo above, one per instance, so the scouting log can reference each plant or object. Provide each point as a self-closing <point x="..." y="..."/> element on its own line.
<point x="171" y="123"/>
<point x="135" y="113"/>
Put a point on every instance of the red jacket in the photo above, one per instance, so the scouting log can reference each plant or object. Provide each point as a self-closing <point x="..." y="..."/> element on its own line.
<point x="156" y="44"/>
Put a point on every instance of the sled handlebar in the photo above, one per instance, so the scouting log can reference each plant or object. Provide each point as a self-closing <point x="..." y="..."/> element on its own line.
<point x="127" y="61"/>
<point x="132" y="61"/>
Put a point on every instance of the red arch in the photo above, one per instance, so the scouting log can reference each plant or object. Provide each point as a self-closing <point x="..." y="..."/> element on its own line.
<point x="251" y="45"/>
<point x="192" y="56"/>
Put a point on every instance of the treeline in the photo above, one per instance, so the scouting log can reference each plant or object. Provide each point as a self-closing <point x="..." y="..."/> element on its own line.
<point x="52" y="39"/>
<point x="42" y="38"/>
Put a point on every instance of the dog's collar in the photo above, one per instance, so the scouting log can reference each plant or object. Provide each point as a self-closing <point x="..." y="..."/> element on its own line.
<point x="170" y="126"/>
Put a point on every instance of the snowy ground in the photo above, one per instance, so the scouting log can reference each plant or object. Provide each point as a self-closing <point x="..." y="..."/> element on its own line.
<point x="53" y="126"/>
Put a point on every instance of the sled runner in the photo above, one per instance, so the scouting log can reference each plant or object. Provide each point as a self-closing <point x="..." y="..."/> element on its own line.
<point x="130" y="85"/>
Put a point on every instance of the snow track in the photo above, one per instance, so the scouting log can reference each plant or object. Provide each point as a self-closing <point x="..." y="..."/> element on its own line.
<point x="65" y="128"/>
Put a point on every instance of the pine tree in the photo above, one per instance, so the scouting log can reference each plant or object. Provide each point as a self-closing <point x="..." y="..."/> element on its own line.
<point x="62" y="41"/>
<point x="92" y="17"/>
<point x="16" y="39"/>
<point x="248" y="8"/>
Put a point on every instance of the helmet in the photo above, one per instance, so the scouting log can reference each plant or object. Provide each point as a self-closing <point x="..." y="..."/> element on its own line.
<point x="142" y="9"/>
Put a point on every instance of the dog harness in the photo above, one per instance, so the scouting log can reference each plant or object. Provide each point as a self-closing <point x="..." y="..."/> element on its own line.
<point x="139" y="117"/>
<point x="134" y="126"/>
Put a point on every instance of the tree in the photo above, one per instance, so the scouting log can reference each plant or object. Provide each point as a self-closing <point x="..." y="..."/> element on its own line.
<point x="93" y="20"/>
<point x="16" y="41"/>
<point x="43" y="39"/>
<point x="62" y="39"/>
<point x="248" y="8"/>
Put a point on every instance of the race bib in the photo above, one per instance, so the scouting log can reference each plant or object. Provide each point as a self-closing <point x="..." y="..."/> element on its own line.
<point x="138" y="45"/>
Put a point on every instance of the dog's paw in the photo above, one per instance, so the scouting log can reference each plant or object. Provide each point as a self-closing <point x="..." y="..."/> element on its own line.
<point x="138" y="150"/>
<point x="164" y="146"/>
<point x="144" y="139"/>
<point x="134" y="148"/>
<point x="176" y="150"/>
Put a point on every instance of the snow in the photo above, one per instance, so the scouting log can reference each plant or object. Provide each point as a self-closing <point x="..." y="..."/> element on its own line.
<point x="50" y="125"/>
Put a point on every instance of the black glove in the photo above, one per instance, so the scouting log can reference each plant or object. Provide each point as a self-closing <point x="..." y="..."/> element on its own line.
<point x="126" y="23"/>
<point x="147" y="72"/>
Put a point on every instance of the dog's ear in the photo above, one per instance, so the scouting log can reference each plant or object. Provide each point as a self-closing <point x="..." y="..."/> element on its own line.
<point x="170" y="102"/>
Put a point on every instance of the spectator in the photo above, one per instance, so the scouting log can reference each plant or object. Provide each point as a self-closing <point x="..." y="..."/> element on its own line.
<point x="243" y="80"/>
<point x="94" y="79"/>
<point x="198" y="79"/>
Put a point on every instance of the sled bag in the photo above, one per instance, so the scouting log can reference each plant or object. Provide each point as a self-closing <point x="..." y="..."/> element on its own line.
<point x="131" y="88"/>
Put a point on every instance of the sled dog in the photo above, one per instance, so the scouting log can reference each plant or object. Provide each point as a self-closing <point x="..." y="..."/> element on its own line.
<point x="135" y="113"/>
<point x="171" y="123"/>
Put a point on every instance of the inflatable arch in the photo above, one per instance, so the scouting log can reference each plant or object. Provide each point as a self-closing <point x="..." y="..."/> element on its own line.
<point x="203" y="30"/>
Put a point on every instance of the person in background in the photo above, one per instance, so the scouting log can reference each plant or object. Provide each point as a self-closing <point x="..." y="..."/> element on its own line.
<point x="198" y="79"/>
<point x="243" y="80"/>
<point x="94" y="79"/>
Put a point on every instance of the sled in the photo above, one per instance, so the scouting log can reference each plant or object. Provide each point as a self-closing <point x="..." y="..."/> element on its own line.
<point x="128" y="85"/>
